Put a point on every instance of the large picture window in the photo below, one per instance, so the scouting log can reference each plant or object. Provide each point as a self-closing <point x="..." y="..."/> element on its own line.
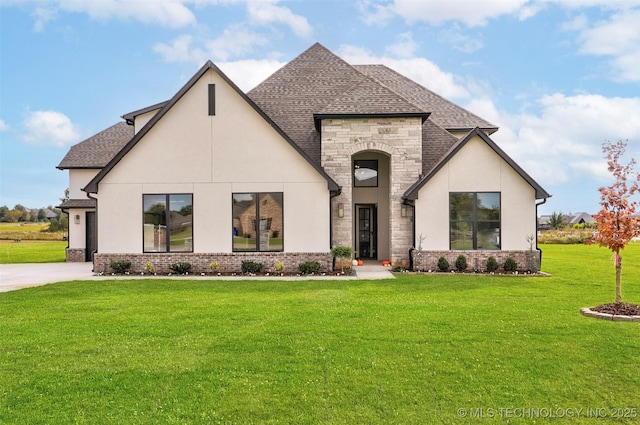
<point x="168" y="223"/>
<point x="474" y="220"/>
<point x="365" y="173"/>
<point x="257" y="221"/>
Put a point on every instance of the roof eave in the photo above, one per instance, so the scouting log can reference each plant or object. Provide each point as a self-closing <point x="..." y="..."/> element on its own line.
<point x="130" y="116"/>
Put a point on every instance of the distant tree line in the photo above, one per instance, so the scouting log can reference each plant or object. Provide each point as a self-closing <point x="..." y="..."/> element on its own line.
<point x="20" y="214"/>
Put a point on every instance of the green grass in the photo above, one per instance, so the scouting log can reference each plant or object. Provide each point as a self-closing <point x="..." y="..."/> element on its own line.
<point x="413" y="350"/>
<point x="32" y="252"/>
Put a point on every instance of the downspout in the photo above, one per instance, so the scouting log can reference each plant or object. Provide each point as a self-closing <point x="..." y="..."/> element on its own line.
<point x="411" y="217"/>
<point x="93" y="263"/>
<point x="544" y="200"/>
<point x="333" y="195"/>
<point x="68" y="224"/>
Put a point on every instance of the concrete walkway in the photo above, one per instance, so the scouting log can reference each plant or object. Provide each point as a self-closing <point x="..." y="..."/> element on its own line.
<point x="18" y="276"/>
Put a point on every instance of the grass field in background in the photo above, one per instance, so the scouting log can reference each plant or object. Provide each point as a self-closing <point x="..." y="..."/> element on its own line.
<point x="414" y="350"/>
<point x="28" y="251"/>
<point x="29" y="231"/>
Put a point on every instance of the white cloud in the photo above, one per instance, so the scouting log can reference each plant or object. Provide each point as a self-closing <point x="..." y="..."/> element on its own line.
<point x="247" y="74"/>
<point x="3" y="126"/>
<point x="467" y="44"/>
<point x="405" y="47"/>
<point x="50" y="128"/>
<point x="562" y="141"/>
<point x="266" y="12"/>
<point x="420" y="70"/>
<point x="180" y="50"/>
<point x="166" y="13"/>
<point x="471" y="13"/>
<point x="618" y="38"/>
<point x="373" y="13"/>
<point x="234" y="41"/>
<point x="42" y="15"/>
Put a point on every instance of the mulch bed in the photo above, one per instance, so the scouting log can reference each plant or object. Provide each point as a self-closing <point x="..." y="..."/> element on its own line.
<point x="623" y="309"/>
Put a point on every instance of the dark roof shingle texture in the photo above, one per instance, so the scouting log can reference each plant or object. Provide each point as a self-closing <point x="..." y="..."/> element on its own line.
<point x="97" y="150"/>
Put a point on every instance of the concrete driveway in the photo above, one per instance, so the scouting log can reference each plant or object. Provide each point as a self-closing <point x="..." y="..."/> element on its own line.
<point x="18" y="276"/>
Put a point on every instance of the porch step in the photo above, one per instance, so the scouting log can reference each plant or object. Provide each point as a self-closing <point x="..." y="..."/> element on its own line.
<point x="373" y="272"/>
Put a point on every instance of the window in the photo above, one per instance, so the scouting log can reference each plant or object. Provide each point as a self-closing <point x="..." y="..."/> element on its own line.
<point x="365" y="173"/>
<point x="257" y="221"/>
<point x="474" y="220"/>
<point x="168" y="223"/>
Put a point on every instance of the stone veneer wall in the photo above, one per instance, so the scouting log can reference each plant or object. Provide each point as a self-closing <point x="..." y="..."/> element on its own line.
<point x="75" y="255"/>
<point x="477" y="260"/>
<point x="401" y="139"/>
<point x="229" y="262"/>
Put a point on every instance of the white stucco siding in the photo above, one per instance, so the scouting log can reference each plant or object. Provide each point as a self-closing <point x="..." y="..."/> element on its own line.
<point x="78" y="178"/>
<point x="212" y="157"/>
<point x="142" y="119"/>
<point x="476" y="168"/>
<point x="77" y="231"/>
<point x="306" y="217"/>
<point x="119" y="217"/>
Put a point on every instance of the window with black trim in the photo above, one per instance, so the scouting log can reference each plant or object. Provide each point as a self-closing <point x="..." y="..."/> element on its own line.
<point x="168" y="223"/>
<point x="258" y="221"/>
<point x="365" y="173"/>
<point x="474" y="220"/>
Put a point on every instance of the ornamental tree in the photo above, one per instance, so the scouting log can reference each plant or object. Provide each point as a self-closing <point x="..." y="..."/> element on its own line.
<point x="615" y="223"/>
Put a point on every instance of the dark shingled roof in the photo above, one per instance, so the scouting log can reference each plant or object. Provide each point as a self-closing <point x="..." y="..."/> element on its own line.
<point x="77" y="203"/>
<point x="446" y="114"/>
<point x="97" y="150"/>
<point x="301" y="88"/>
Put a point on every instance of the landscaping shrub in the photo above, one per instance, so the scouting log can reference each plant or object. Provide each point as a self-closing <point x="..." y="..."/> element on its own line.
<point x="149" y="268"/>
<point x="492" y="264"/>
<point x="443" y="264"/>
<point x="181" y="267"/>
<point x="250" y="266"/>
<point x="278" y="266"/>
<point x="120" y="266"/>
<point x="510" y="265"/>
<point x="214" y="266"/>
<point x="309" y="267"/>
<point x="461" y="263"/>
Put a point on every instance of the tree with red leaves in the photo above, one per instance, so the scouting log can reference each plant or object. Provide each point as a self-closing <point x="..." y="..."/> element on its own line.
<point x="616" y="224"/>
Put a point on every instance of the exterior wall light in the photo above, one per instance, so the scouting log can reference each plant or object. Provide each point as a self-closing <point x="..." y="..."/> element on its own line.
<point x="76" y="219"/>
<point x="341" y="210"/>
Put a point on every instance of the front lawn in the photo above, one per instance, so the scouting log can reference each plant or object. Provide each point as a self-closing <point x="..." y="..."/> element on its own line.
<point x="418" y="349"/>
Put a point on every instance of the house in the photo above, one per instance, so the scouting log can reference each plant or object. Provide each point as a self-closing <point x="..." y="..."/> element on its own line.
<point x="321" y="153"/>
<point x="580" y="218"/>
<point x="544" y="221"/>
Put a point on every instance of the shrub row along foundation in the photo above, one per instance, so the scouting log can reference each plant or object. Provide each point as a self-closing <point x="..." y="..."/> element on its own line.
<point x="228" y="263"/>
<point x="477" y="260"/>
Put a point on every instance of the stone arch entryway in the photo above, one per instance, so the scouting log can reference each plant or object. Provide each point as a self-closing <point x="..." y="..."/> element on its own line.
<point x="371" y="204"/>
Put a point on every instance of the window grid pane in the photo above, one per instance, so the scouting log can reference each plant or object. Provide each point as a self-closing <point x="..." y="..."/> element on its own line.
<point x="474" y="220"/>
<point x="258" y="221"/>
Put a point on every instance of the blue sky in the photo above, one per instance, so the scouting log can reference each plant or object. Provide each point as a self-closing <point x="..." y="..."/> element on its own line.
<point x="558" y="77"/>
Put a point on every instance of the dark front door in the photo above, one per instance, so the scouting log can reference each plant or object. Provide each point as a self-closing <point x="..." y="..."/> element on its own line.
<point x="366" y="225"/>
<point x="91" y="234"/>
